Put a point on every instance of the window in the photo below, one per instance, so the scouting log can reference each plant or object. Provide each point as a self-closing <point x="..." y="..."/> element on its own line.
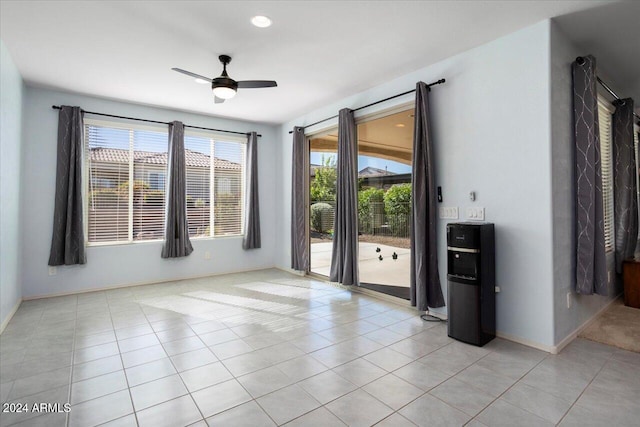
<point x="605" y="111"/>
<point x="216" y="164"/>
<point x="126" y="180"/>
<point x="157" y="180"/>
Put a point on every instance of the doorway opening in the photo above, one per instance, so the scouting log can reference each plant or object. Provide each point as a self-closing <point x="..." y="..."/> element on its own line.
<point x="385" y="150"/>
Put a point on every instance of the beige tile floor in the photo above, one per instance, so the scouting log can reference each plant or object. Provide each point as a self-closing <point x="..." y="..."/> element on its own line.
<point x="266" y="348"/>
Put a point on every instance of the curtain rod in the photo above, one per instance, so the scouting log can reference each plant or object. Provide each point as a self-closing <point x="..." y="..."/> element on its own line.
<point x="580" y="61"/>
<point x="57" y="107"/>
<point x="372" y="104"/>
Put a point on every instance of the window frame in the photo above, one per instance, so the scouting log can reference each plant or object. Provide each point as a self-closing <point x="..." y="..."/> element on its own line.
<point x="214" y="136"/>
<point x="128" y="126"/>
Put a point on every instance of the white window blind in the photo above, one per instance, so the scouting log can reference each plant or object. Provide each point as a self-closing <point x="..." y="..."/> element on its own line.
<point x="126" y="182"/>
<point x="605" y="111"/>
<point x="198" y="165"/>
<point x="108" y="158"/>
<point x="214" y="166"/>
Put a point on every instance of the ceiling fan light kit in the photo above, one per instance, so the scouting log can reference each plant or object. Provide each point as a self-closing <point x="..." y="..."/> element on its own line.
<point x="224" y="92"/>
<point x="224" y="87"/>
<point x="261" y="21"/>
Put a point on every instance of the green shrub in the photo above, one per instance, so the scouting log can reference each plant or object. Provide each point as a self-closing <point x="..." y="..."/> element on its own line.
<point x="139" y="190"/>
<point x="323" y="185"/>
<point x="397" y="199"/>
<point x="321" y="217"/>
<point x="370" y="209"/>
<point x="397" y="204"/>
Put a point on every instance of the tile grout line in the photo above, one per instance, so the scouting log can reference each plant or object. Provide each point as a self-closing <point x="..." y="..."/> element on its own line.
<point x="135" y="415"/>
<point x="73" y="357"/>
<point x="510" y="387"/>
<point x="155" y="333"/>
<point x="586" y="387"/>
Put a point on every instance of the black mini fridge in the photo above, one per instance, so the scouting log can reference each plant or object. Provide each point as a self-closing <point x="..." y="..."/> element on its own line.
<point x="471" y="280"/>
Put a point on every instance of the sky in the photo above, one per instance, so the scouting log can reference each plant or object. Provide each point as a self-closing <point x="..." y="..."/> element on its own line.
<point x="364" y="161"/>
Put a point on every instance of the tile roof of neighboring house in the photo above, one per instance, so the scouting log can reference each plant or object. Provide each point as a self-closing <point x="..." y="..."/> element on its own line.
<point x="371" y="172"/>
<point x="192" y="158"/>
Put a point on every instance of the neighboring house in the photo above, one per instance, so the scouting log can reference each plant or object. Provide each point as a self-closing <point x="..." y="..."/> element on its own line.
<point x="108" y="197"/>
<point x="151" y="169"/>
<point x="381" y="178"/>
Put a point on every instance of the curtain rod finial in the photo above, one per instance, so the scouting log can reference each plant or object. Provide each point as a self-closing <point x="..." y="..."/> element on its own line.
<point x="580" y="60"/>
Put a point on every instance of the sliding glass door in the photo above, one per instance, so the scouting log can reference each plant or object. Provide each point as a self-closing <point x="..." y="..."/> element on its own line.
<point x="385" y="148"/>
<point x="323" y="155"/>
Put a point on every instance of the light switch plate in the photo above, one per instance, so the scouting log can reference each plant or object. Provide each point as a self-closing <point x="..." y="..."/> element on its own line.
<point x="449" y="213"/>
<point x="475" y="214"/>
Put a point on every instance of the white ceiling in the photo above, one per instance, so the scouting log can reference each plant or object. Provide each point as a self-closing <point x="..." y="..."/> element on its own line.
<point x="612" y="34"/>
<point x="319" y="52"/>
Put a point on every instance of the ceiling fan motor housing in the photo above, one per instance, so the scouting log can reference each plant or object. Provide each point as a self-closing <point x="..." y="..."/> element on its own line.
<point x="224" y="81"/>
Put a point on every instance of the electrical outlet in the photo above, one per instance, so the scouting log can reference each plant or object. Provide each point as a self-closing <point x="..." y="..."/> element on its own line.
<point x="52" y="270"/>
<point x="497" y="289"/>
<point x="569" y="299"/>
<point x="207" y="255"/>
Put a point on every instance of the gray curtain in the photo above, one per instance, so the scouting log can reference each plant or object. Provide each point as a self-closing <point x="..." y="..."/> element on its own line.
<point x="591" y="265"/>
<point x="299" y="247"/>
<point x="176" y="228"/>
<point x="67" y="241"/>
<point x="344" y="258"/>
<point x="625" y="194"/>
<point x="251" y="238"/>
<point x="425" y="279"/>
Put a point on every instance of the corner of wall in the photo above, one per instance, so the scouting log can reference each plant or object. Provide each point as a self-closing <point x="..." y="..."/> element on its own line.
<point x="572" y="312"/>
<point x="12" y="105"/>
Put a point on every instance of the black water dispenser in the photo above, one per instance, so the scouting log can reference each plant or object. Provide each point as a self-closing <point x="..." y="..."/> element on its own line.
<point x="471" y="280"/>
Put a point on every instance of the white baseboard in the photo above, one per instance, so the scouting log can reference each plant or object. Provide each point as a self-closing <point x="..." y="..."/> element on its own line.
<point x="291" y="271"/>
<point x="573" y="335"/>
<point x="6" y="321"/>
<point x="528" y="343"/>
<point x="557" y="348"/>
<point x="151" y="282"/>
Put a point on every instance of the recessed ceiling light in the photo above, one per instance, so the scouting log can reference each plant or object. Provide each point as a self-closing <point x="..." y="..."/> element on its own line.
<point x="400" y="125"/>
<point x="202" y="81"/>
<point x="261" y="21"/>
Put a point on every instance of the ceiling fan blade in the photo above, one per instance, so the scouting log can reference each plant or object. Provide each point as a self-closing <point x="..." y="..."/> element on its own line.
<point x="217" y="100"/>
<point x="189" y="73"/>
<point x="255" y="84"/>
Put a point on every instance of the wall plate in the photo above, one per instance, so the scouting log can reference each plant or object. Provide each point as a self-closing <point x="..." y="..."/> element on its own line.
<point x="449" y="213"/>
<point x="475" y="214"/>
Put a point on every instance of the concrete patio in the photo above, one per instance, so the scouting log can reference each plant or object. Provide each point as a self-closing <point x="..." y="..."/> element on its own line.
<point x="372" y="270"/>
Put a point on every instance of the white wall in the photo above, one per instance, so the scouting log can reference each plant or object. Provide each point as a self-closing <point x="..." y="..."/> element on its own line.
<point x="583" y="307"/>
<point x="134" y="263"/>
<point x="11" y="96"/>
<point x="491" y="125"/>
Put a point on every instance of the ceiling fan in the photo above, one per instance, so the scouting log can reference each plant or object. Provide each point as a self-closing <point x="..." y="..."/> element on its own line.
<point x="224" y="87"/>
